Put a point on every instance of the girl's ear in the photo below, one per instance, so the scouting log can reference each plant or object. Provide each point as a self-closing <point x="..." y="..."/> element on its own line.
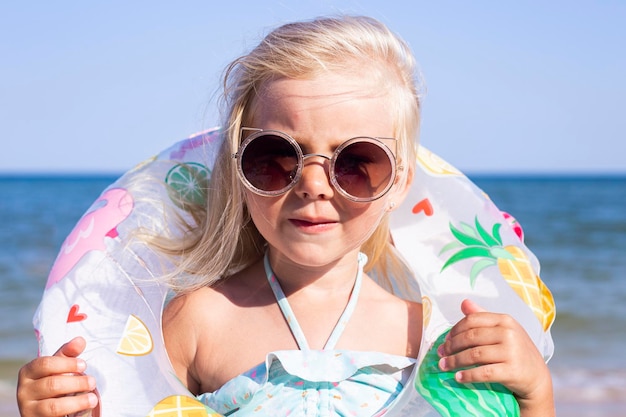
<point x="401" y="189"/>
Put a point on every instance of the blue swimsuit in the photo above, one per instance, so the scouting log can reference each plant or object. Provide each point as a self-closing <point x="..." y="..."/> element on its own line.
<point x="311" y="383"/>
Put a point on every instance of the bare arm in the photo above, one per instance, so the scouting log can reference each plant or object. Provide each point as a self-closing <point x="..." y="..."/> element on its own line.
<point x="181" y="341"/>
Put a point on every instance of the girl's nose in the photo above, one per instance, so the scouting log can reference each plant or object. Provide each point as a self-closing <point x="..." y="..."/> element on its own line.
<point x="315" y="182"/>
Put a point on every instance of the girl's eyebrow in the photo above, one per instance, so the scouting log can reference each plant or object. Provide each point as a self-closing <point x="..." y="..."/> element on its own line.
<point x="331" y="149"/>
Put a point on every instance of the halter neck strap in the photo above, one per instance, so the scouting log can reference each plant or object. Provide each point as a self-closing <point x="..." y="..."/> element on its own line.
<point x="290" y="317"/>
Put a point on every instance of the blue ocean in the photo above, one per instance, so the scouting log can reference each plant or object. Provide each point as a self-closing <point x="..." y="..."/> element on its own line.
<point x="575" y="225"/>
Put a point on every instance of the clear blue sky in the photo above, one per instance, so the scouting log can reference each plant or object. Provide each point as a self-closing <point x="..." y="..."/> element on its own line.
<point x="536" y="86"/>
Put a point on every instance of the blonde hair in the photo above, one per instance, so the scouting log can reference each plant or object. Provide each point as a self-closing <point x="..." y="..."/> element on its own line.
<point x="225" y="239"/>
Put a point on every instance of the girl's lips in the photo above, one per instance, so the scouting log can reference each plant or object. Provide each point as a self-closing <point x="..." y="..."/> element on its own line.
<point x="313" y="225"/>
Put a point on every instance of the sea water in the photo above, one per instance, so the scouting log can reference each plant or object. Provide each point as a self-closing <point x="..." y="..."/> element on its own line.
<point x="575" y="225"/>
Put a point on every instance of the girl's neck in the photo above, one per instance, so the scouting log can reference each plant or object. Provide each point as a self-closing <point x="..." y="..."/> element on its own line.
<point x="334" y="277"/>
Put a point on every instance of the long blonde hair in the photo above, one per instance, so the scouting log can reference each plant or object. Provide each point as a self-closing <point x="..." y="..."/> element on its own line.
<point x="224" y="239"/>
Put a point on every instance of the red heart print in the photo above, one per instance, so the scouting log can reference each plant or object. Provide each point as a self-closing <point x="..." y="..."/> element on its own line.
<point x="424" y="206"/>
<point x="74" y="316"/>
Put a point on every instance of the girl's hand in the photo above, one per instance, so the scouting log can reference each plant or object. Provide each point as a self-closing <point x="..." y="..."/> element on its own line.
<point x="55" y="385"/>
<point x="496" y="348"/>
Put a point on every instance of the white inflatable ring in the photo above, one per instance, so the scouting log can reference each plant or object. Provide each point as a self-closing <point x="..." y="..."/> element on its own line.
<point x="102" y="284"/>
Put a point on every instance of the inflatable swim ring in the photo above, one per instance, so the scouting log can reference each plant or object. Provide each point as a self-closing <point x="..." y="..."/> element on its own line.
<point x="103" y="287"/>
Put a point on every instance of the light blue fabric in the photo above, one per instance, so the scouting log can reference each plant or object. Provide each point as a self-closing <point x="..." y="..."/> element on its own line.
<point x="311" y="383"/>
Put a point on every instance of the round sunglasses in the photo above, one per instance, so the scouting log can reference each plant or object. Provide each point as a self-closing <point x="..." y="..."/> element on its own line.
<point x="270" y="163"/>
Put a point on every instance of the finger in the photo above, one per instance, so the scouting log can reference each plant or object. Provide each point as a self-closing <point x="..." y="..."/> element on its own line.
<point x="469" y="307"/>
<point x="481" y="336"/>
<point x="51" y="365"/>
<point x="475" y="356"/>
<point x="486" y="373"/>
<point x="65" y="405"/>
<point x="73" y="348"/>
<point x="59" y="385"/>
<point x="482" y="320"/>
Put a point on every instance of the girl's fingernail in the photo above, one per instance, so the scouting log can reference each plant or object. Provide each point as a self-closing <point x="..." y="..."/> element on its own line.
<point x="442" y="364"/>
<point x="458" y="376"/>
<point x="93" y="400"/>
<point x="81" y="365"/>
<point x="91" y="381"/>
<point x="440" y="350"/>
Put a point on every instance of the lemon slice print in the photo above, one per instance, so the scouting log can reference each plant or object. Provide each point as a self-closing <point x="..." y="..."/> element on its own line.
<point x="181" y="406"/>
<point x="136" y="339"/>
<point x="188" y="183"/>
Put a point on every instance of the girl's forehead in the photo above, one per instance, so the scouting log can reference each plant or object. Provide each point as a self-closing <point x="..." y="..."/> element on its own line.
<point x="332" y="104"/>
<point x="294" y="98"/>
<point x="323" y="86"/>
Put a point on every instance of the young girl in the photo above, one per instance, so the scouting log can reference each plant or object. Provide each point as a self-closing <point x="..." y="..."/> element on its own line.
<point x="322" y="122"/>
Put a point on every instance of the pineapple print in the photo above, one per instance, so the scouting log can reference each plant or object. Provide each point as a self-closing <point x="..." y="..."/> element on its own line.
<point x="476" y="242"/>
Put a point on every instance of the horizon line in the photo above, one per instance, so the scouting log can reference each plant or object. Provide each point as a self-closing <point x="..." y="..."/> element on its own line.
<point x="5" y="175"/>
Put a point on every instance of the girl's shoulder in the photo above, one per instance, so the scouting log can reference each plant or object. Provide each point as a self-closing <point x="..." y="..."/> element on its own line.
<point x="199" y="306"/>
<point x="211" y="307"/>
<point x="186" y="304"/>
<point x="224" y="293"/>
<point x="196" y="328"/>
<point x="397" y="321"/>
<point x="373" y="293"/>
<point x="183" y="316"/>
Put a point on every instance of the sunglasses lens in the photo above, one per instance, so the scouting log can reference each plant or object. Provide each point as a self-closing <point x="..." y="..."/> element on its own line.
<point x="269" y="163"/>
<point x="364" y="170"/>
